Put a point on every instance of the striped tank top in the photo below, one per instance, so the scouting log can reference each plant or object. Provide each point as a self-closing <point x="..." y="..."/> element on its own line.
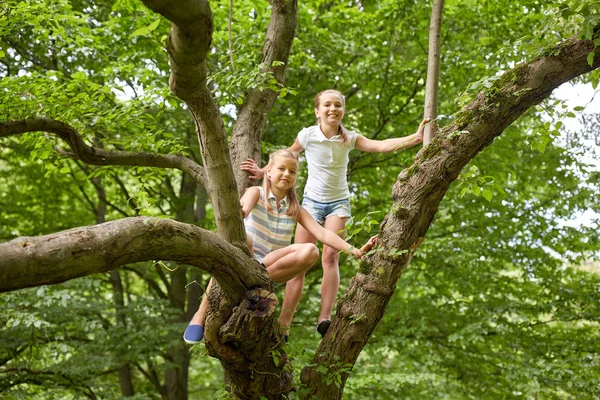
<point x="269" y="229"/>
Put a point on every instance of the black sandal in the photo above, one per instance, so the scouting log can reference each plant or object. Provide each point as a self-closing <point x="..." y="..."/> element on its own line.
<point x="323" y="327"/>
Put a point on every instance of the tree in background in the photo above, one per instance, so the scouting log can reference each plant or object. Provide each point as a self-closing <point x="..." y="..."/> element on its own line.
<point x="486" y="296"/>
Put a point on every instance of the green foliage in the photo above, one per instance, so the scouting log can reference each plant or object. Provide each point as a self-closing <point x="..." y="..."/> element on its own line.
<point x="493" y="305"/>
<point x="473" y="182"/>
<point x="332" y="373"/>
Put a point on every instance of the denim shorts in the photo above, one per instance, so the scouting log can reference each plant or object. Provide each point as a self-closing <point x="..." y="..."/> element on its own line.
<point x="320" y="211"/>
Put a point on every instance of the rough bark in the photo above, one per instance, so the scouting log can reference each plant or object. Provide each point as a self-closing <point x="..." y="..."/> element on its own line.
<point x="252" y="116"/>
<point x="418" y="193"/>
<point x="249" y="344"/>
<point x="96" y="155"/>
<point x="433" y="70"/>
<point x="55" y="258"/>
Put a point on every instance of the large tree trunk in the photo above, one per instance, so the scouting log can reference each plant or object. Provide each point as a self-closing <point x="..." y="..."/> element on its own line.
<point x="418" y="193"/>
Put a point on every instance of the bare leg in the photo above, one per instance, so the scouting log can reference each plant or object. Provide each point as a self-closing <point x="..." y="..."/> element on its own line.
<point x="282" y="265"/>
<point x="331" y="270"/>
<point x="295" y="286"/>
<point x="200" y="316"/>
<point x="293" y="293"/>
<point x="291" y="261"/>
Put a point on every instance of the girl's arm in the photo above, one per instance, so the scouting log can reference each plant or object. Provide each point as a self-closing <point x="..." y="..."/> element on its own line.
<point x="249" y="200"/>
<point x="389" y="145"/>
<point x="296" y="147"/>
<point x="256" y="172"/>
<point x="326" y="236"/>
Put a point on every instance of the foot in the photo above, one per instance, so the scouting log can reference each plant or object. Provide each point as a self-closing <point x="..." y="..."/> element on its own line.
<point x="193" y="334"/>
<point x="323" y="327"/>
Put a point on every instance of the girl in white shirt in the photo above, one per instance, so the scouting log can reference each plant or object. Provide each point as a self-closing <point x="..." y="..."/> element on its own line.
<point x="326" y="194"/>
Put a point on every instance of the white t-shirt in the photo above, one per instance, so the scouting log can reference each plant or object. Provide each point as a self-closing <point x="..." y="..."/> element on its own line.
<point x="327" y="161"/>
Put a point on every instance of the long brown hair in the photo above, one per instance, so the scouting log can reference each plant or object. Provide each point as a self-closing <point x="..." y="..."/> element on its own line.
<point x="294" y="205"/>
<point x="342" y="131"/>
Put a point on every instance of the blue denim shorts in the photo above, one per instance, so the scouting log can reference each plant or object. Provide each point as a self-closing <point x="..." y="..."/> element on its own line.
<point x="320" y="211"/>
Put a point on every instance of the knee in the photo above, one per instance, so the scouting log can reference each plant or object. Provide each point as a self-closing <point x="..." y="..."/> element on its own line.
<point x="330" y="257"/>
<point x="310" y="253"/>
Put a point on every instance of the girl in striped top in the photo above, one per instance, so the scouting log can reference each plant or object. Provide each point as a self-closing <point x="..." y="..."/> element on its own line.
<point x="271" y="213"/>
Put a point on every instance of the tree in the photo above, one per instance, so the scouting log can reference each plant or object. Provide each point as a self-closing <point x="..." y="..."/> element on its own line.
<point x="233" y="333"/>
<point x="433" y="69"/>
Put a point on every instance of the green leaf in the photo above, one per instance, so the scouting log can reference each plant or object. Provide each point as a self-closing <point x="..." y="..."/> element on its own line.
<point x="145" y="29"/>
<point x="153" y="25"/>
<point x="79" y="75"/>
<point x="487" y="194"/>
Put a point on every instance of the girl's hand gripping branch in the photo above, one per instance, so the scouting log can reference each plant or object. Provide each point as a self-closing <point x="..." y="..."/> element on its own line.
<point x="370" y="243"/>
<point x="358" y="253"/>
<point x="418" y="135"/>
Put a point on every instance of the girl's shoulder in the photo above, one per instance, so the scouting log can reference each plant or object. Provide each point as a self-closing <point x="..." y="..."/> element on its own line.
<point x="254" y="192"/>
<point x="308" y="128"/>
<point x="306" y="135"/>
<point x="307" y="131"/>
<point x="255" y="189"/>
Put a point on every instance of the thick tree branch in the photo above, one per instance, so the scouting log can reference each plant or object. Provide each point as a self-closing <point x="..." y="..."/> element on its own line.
<point x="188" y="44"/>
<point x="250" y="124"/>
<point x="420" y="189"/>
<point x="97" y="156"/>
<point x="34" y="261"/>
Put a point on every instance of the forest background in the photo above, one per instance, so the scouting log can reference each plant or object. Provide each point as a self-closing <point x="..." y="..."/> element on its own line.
<point x="500" y="301"/>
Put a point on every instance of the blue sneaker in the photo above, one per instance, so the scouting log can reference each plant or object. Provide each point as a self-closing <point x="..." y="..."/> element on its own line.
<point x="193" y="334"/>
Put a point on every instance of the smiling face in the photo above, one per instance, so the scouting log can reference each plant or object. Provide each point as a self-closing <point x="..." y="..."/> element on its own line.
<point x="282" y="173"/>
<point x="329" y="107"/>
